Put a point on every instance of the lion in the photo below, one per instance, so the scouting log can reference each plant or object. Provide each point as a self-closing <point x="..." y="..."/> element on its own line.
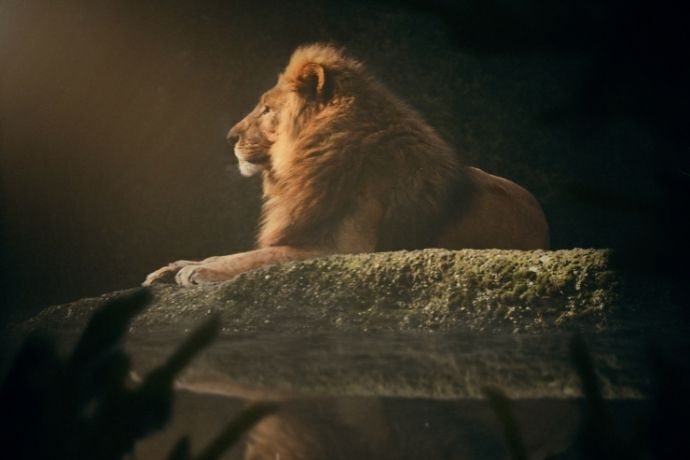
<point x="348" y="167"/>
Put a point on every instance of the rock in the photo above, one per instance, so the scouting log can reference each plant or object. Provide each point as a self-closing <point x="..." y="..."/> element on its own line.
<point x="431" y="323"/>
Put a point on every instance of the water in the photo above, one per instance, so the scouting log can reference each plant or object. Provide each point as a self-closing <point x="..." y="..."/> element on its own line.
<point x="392" y="395"/>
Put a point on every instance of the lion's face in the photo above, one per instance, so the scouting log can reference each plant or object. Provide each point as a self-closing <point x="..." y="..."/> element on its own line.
<point x="257" y="132"/>
<point x="282" y="112"/>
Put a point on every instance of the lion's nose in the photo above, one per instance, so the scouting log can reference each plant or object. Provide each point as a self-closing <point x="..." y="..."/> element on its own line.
<point x="232" y="137"/>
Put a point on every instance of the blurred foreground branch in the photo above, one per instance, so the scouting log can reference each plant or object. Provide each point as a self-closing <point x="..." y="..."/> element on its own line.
<point x="86" y="406"/>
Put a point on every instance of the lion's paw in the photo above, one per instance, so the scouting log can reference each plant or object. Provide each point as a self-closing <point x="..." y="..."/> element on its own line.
<point x="166" y="274"/>
<point x="194" y="274"/>
<point x="186" y="276"/>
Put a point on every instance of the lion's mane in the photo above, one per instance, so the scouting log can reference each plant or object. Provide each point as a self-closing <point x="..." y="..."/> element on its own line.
<point x="361" y="148"/>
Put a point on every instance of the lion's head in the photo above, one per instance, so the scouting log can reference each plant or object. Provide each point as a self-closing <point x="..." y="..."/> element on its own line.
<point x="305" y="91"/>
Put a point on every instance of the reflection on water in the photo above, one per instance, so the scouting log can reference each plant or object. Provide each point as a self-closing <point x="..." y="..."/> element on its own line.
<point x="377" y="428"/>
<point x="388" y="396"/>
<point x="403" y="395"/>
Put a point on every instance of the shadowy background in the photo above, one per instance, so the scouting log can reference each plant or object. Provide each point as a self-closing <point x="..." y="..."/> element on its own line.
<point x="113" y="117"/>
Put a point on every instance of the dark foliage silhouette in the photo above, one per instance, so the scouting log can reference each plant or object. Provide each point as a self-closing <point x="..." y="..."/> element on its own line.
<point x="86" y="405"/>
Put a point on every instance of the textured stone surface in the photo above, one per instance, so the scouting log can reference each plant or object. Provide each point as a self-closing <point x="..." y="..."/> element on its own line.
<point x="426" y="290"/>
<point x="430" y="323"/>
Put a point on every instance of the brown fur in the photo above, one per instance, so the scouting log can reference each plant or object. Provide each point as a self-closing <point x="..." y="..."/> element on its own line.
<point x="348" y="167"/>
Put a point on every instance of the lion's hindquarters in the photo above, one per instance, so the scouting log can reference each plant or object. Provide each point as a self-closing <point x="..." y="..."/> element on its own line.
<point x="502" y="215"/>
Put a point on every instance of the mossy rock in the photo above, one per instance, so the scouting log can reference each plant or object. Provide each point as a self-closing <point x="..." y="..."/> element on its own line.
<point x="427" y="290"/>
<point x="430" y="323"/>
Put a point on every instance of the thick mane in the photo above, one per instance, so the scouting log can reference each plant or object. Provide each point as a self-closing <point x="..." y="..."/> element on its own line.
<point x="332" y="159"/>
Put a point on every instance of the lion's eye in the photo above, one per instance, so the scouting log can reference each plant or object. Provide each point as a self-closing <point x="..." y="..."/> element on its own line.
<point x="265" y="110"/>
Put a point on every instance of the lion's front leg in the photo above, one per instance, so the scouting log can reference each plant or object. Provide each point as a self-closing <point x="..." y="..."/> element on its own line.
<point x="223" y="268"/>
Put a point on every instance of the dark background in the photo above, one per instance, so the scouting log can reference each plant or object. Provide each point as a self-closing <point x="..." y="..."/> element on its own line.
<point x="113" y="117"/>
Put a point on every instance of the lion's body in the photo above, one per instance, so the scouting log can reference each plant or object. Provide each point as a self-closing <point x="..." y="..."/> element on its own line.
<point x="347" y="167"/>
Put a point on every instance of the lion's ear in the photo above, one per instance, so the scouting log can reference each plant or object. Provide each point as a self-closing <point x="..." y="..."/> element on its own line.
<point x="312" y="82"/>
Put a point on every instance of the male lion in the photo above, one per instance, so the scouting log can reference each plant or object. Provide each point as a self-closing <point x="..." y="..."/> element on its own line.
<point x="348" y="167"/>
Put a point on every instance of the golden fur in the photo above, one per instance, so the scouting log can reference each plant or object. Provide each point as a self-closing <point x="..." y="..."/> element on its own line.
<point x="348" y="167"/>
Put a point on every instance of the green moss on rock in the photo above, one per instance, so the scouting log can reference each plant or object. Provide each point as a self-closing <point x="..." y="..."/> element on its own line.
<point x="428" y="290"/>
